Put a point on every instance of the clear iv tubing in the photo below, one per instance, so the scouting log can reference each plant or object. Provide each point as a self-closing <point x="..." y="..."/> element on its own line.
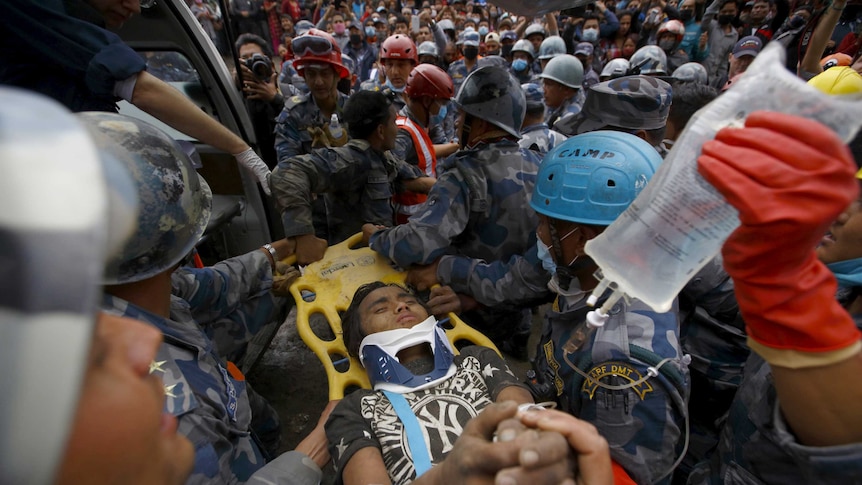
<point x="679" y="222"/>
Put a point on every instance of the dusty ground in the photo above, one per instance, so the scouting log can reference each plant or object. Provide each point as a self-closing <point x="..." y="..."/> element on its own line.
<point x="293" y="380"/>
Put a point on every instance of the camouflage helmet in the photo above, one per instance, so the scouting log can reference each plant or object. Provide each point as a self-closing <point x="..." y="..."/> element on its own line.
<point x="631" y="102"/>
<point x="565" y="69"/>
<point x="428" y="48"/>
<point x="492" y="94"/>
<point x="524" y="46"/>
<point x="552" y="46"/>
<point x="174" y="200"/>
<point x="534" y="95"/>
<point x="649" y="59"/>
<point x="594" y="177"/>
<point x="615" y="68"/>
<point x="691" y="72"/>
<point x="535" y="29"/>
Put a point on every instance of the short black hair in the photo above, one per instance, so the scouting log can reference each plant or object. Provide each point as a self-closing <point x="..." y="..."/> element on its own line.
<point x="254" y="39"/>
<point x="365" y="110"/>
<point x="351" y="323"/>
<point x="688" y="97"/>
<point x="400" y="19"/>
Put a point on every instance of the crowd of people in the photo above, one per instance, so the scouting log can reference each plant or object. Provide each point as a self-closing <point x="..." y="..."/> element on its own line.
<point x="480" y="151"/>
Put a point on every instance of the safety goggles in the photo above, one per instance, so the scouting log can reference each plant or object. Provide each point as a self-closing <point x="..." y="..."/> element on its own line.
<point x="305" y="45"/>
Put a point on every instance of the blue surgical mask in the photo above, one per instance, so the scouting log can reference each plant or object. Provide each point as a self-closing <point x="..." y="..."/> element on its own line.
<point x="370" y="31"/>
<point x="519" y="64"/>
<point x="590" y="35"/>
<point x="483" y="31"/>
<point x="848" y="273"/>
<point x="544" y="255"/>
<point x="390" y="86"/>
<point x="439" y="117"/>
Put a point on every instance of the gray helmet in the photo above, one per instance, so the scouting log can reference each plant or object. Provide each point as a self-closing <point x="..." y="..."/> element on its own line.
<point x="552" y="46"/>
<point x="566" y="69"/>
<point x="524" y="46"/>
<point x="649" y="59"/>
<point x="534" y="95"/>
<point x="615" y="68"/>
<point x="428" y="48"/>
<point x="535" y="29"/>
<point x="446" y="24"/>
<point x="492" y="94"/>
<point x="175" y="201"/>
<point x="691" y="72"/>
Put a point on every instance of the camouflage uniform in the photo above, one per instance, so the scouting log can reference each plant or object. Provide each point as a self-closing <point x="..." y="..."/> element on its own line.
<point x="566" y="112"/>
<point x="478" y="209"/>
<point x="356" y="180"/>
<point x="300" y="126"/>
<point x="230" y="426"/>
<point x="631" y="102"/>
<point x="458" y="72"/>
<point x="290" y="82"/>
<point x="539" y="138"/>
<point x="644" y="424"/>
<point x="373" y="85"/>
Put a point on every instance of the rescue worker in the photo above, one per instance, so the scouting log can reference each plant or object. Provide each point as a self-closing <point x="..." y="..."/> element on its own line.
<point x="535" y="134"/>
<point x="522" y="58"/>
<point x="356" y="181"/>
<point x="562" y="82"/>
<point x="303" y="124"/>
<point x="205" y="314"/>
<point x="584" y="53"/>
<point x="625" y="375"/>
<point x="421" y="139"/>
<point x="478" y="208"/>
<point x="460" y="69"/>
<point x="399" y="56"/>
<point x="649" y="60"/>
<point x="669" y="37"/>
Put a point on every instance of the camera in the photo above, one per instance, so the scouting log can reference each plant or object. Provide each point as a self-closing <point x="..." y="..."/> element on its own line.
<point x="261" y="66"/>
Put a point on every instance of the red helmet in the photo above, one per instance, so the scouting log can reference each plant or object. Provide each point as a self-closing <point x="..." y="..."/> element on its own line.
<point x="674" y="27"/>
<point x="429" y="80"/>
<point x="399" y="47"/>
<point x="317" y="47"/>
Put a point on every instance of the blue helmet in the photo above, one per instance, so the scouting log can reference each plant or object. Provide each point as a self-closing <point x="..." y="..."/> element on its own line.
<point x="174" y="201"/>
<point x="592" y="178"/>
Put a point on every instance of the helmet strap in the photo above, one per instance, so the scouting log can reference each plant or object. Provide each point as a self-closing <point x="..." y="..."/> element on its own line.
<point x="466" y="126"/>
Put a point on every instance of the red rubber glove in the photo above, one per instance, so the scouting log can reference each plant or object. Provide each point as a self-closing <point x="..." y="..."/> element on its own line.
<point x="789" y="178"/>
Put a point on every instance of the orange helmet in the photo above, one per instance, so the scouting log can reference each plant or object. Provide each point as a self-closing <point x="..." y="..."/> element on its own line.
<point x="429" y="80"/>
<point x="317" y="47"/>
<point x="399" y="47"/>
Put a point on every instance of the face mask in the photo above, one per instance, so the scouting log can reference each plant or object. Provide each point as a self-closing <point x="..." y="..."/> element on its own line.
<point x="439" y="117"/>
<point x="370" y="31"/>
<point x="590" y="35"/>
<point x="848" y="272"/>
<point x="666" y="44"/>
<point x="685" y="15"/>
<point x="475" y="20"/>
<point x="725" y="19"/>
<point x="495" y="52"/>
<point x="628" y="51"/>
<point x="483" y="31"/>
<point x="506" y="50"/>
<point x="338" y="28"/>
<point x="471" y="52"/>
<point x="519" y="65"/>
<point x="397" y="90"/>
<point x="545" y="255"/>
<point x="355" y="39"/>
<point x="795" y="22"/>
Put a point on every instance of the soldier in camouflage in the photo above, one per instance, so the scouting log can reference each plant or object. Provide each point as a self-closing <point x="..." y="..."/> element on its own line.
<point x="535" y="134"/>
<point x="633" y="104"/>
<point x="625" y="376"/>
<point x="232" y="429"/>
<point x="357" y="181"/>
<point x="304" y="122"/>
<point x="460" y="69"/>
<point x="562" y="82"/>
<point x="478" y="209"/>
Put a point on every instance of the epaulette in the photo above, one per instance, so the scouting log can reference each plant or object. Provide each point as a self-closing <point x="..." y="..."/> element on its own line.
<point x="295" y="101"/>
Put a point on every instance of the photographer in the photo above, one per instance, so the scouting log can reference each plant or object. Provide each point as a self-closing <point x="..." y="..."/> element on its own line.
<point x="259" y="86"/>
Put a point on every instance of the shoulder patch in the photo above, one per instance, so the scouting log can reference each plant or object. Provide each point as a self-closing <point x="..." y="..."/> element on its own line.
<point x="294" y="100"/>
<point x="619" y="369"/>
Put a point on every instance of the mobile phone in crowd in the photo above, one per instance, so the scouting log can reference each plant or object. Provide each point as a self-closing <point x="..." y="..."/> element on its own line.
<point x="414" y="24"/>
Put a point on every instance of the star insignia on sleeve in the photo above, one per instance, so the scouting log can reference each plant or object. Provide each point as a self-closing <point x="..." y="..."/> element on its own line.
<point x="169" y="391"/>
<point x="157" y="366"/>
<point x="489" y="371"/>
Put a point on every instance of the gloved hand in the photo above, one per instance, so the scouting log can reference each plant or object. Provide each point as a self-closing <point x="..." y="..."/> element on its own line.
<point x="252" y="162"/>
<point x="789" y="178"/>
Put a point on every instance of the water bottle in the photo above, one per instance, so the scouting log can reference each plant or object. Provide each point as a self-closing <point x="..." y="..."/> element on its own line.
<point x="679" y="222"/>
<point x="335" y="127"/>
